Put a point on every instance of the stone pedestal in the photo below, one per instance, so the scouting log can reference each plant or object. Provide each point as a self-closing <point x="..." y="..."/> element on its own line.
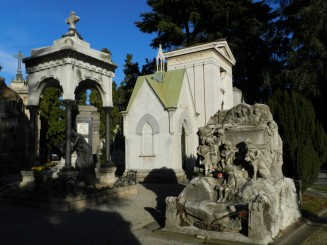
<point x="27" y="177"/>
<point x="67" y="174"/>
<point x="173" y="219"/>
<point x="88" y="125"/>
<point x="256" y="224"/>
<point x="107" y="175"/>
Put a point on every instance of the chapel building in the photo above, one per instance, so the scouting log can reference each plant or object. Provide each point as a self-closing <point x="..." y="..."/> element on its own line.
<point x="167" y="108"/>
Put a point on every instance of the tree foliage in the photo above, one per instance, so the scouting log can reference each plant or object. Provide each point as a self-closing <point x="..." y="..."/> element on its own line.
<point x="52" y="116"/>
<point x="95" y="100"/>
<point x="149" y="67"/>
<point x="114" y="116"/>
<point x="303" y="29"/>
<point x="305" y="142"/>
<point x="82" y="100"/>
<point x="245" y="25"/>
<point x="131" y="71"/>
<point x="278" y="44"/>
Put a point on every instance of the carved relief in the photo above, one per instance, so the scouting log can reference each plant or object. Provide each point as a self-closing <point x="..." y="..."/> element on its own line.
<point x="240" y="186"/>
<point x="240" y="127"/>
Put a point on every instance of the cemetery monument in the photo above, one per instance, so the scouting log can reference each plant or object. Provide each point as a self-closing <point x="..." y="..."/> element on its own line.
<point x="72" y="66"/>
<point x="243" y="195"/>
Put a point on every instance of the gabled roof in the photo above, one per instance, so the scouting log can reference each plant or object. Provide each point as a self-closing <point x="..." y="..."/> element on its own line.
<point x="168" y="90"/>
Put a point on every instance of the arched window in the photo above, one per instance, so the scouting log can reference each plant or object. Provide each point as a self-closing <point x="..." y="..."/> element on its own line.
<point x="146" y="128"/>
<point x="147" y="140"/>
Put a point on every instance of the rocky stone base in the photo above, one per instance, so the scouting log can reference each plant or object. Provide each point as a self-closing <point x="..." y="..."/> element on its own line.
<point x="255" y="215"/>
<point x="213" y="236"/>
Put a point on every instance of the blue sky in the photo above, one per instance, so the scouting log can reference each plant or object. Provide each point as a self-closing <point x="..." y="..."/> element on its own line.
<point x="29" y="24"/>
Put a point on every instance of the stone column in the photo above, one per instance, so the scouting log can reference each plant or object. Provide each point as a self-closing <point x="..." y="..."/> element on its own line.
<point x="108" y="162"/>
<point x="69" y="104"/>
<point x="34" y="153"/>
<point x="107" y="171"/>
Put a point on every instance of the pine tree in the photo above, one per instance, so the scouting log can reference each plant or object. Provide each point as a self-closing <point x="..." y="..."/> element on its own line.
<point x="131" y="71"/>
<point x="302" y="50"/>
<point x="149" y="67"/>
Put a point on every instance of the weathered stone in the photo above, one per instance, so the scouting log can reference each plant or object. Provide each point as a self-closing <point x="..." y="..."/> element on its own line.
<point x="244" y="190"/>
<point x="280" y="204"/>
<point x="200" y="189"/>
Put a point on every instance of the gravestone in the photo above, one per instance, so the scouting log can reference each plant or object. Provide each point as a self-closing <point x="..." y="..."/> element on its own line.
<point x="88" y="125"/>
<point x="242" y="195"/>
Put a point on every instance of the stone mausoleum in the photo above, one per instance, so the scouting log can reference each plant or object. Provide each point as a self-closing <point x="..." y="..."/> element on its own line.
<point x="71" y="65"/>
<point x="167" y="108"/>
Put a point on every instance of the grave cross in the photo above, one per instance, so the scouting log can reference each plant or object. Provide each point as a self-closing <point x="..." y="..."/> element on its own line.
<point x="20" y="57"/>
<point x="72" y="20"/>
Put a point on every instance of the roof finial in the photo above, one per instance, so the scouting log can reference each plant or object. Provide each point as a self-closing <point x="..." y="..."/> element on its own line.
<point x="160" y="59"/>
<point x="71" y="21"/>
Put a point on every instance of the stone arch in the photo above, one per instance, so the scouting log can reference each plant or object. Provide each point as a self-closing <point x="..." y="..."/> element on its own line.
<point x="147" y="118"/>
<point x="45" y="82"/>
<point x="89" y="84"/>
<point x="72" y="61"/>
<point x="184" y="120"/>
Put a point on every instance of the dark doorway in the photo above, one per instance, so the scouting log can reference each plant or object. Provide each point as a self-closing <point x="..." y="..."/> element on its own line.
<point x="183" y="148"/>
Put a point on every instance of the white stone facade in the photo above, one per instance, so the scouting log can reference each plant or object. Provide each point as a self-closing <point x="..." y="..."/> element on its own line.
<point x="153" y="133"/>
<point x="209" y="69"/>
<point x="69" y="61"/>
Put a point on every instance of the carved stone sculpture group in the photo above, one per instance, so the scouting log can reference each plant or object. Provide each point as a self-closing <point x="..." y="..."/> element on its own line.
<point x="241" y="185"/>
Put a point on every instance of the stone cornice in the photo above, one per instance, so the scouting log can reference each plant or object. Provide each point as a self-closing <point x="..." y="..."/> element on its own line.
<point x="60" y="58"/>
<point x="69" y="103"/>
<point x="189" y="53"/>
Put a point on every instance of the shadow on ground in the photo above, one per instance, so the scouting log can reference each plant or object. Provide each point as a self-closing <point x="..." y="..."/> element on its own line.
<point x="313" y="217"/>
<point x="21" y="225"/>
<point x="163" y="188"/>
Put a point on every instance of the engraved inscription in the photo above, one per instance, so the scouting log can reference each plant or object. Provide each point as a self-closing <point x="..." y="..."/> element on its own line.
<point x="190" y="57"/>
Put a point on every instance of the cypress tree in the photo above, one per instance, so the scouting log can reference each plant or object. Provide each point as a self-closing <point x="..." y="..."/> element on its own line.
<point x="304" y="139"/>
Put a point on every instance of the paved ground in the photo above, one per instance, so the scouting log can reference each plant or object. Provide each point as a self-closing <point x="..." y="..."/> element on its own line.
<point x="111" y="223"/>
<point x="132" y="220"/>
